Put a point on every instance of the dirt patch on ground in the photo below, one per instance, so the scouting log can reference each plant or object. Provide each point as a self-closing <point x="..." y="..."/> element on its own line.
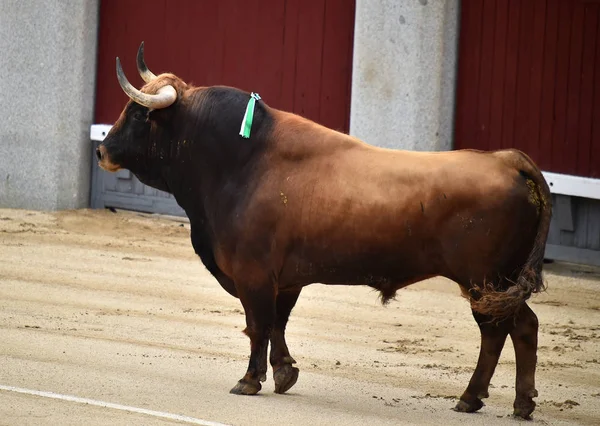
<point x="116" y="306"/>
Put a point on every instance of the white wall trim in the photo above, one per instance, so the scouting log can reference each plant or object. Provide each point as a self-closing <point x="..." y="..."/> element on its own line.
<point x="575" y="186"/>
<point x="99" y="131"/>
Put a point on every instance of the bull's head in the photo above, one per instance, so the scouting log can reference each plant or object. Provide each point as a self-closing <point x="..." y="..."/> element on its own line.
<point x="135" y="140"/>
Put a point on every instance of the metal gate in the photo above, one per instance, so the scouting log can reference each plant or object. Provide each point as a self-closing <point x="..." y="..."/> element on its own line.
<point x="123" y="190"/>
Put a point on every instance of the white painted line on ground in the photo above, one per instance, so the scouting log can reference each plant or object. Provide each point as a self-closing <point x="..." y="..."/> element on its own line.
<point x="111" y="405"/>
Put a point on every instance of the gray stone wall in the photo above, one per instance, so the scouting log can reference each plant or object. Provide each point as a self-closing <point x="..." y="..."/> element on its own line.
<point x="405" y="56"/>
<point x="47" y="77"/>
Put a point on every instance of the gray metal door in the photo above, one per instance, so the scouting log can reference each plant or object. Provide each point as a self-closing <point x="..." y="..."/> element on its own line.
<point x="122" y="189"/>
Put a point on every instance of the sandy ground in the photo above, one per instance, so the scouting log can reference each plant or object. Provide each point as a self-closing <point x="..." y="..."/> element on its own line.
<point x="116" y="307"/>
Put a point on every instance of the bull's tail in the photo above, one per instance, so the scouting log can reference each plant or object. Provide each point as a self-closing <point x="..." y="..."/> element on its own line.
<point x="503" y="303"/>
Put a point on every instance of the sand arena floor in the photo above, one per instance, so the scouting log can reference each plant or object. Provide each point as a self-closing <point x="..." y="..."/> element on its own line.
<point x="116" y="307"/>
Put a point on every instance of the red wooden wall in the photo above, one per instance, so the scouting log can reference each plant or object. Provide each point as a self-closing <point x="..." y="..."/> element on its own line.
<point x="297" y="54"/>
<point x="529" y="78"/>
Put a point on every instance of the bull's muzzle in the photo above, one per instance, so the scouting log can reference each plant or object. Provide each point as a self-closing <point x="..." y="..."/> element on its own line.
<point x="100" y="152"/>
<point x="104" y="160"/>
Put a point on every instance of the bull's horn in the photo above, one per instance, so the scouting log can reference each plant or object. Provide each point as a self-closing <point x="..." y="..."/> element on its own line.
<point x="165" y="97"/>
<point x="145" y="73"/>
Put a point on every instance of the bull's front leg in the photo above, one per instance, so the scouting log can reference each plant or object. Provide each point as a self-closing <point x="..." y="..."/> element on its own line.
<point x="284" y="373"/>
<point x="259" y="306"/>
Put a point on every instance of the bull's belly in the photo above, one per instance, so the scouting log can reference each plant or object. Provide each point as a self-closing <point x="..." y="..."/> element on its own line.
<point x="394" y="268"/>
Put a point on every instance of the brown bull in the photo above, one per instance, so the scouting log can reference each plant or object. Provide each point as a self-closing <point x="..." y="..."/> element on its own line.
<point x="297" y="203"/>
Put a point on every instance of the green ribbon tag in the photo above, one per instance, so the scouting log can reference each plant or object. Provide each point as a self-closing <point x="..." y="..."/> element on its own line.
<point x="249" y="116"/>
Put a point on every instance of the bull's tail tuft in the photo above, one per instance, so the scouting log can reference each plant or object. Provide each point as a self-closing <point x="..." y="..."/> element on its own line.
<point x="498" y="303"/>
<point x="501" y="304"/>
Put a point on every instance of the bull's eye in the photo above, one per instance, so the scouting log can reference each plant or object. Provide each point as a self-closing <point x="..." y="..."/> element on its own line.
<point x="139" y="116"/>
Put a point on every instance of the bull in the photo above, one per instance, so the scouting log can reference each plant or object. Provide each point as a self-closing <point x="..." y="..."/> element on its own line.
<point x="297" y="203"/>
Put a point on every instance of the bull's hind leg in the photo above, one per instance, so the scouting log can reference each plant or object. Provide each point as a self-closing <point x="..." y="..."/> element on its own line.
<point x="493" y="337"/>
<point x="284" y="374"/>
<point x="524" y="336"/>
<point x="259" y="306"/>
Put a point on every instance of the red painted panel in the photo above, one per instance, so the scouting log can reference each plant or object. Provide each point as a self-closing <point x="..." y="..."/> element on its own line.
<point x="523" y="105"/>
<point x="535" y="86"/>
<point x="590" y="30"/>
<point x="594" y="151"/>
<point x="498" y="73"/>
<point x="297" y="55"/>
<point x="468" y="71"/>
<point x="510" y="78"/>
<point x="529" y="71"/>
<point x="336" y="46"/>
<point x="561" y="87"/>
<point x="290" y="47"/>
<point x="269" y="38"/>
<point x="548" y="77"/>
<point x="309" y="58"/>
<point x="574" y="94"/>
<point x="205" y="58"/>
<point x="485" y="80"/>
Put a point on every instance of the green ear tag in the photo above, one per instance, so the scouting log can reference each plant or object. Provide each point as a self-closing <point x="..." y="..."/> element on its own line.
<point x="249" y="116"/>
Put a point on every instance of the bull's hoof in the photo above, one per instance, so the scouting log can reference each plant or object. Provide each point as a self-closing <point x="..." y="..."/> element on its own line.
<point x="524" y="413"/>
<point x="244" y="387"/>
<point x="469" y="407"/>
<point x="524" y="407"/>
<point x="285" y="377"/>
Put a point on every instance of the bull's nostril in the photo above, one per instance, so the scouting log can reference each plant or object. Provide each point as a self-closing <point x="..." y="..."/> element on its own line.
<point x="98" y="153"/>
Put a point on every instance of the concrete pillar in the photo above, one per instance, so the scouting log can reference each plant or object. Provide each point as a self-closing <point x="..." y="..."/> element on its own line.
<point x="404" y="68"/>
<point x="47" y="77"/>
